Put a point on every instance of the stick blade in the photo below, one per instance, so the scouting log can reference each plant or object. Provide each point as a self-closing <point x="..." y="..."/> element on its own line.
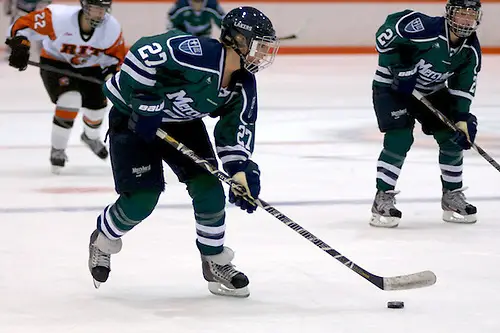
<point x="411" y="281"/>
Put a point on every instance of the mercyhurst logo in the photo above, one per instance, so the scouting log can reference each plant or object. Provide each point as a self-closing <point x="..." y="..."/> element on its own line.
<point x="181" y="104"/>
<point x="425" y="70"/>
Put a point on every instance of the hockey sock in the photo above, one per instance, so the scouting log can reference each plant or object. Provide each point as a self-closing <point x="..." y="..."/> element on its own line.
<point x="397" y="143"/>
<point x="67" y="107"/>
<point x="127" y="212"/>
<point x="450" y="161"/>
<point x="92" y="121"/>
<point x="208" y="203"/>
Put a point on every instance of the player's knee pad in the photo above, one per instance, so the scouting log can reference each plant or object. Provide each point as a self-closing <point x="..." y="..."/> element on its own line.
<point x="207" y="194"/>
<point x="398" y="141"/>
<point x="70" y="99"/>
<point x="137" y="206"/>
<point x="391" y="110"/>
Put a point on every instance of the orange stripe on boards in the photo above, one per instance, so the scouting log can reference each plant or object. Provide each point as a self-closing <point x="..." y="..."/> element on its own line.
<point x="66" y="114"/>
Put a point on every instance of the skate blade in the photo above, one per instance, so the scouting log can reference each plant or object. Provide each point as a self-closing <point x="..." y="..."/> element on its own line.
<point x="219" y="289"/>
<point x="56" y="170"/>
<point x="454" y="217"/>
<point x="97" y="284"/>
<point x="380" y="221"/>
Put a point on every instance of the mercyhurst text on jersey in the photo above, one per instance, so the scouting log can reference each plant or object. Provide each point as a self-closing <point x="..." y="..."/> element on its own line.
<point x="171" y="65"/>
<point x="410" y="37"/>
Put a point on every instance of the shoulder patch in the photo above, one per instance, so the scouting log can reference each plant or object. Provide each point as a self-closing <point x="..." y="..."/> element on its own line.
<point x="191" y="46"/>
<point x="415" y="26"/>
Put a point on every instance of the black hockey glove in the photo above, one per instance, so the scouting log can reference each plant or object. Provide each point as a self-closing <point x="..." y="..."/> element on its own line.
<point x="404" y="79"/>
<point x="146" y="116"/>
<point x="467" y="123"/>
<point x="20" y="52"/>
<point x="248" y="175"/>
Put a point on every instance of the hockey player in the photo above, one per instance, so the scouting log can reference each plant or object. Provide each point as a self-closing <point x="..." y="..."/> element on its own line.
<point x="85" y="40"/>
<point x="195" y="16"/>
<point x="172" y="81"/>
<point x="424" y="53"/>
<point x="18" y="8"/>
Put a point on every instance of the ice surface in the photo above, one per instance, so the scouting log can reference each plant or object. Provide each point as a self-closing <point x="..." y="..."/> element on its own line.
<point x="317" y="143"/>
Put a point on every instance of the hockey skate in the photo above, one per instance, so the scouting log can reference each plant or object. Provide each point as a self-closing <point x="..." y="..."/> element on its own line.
<point x="223" y="279"/>
<point x="100" y="250"/>
<point x="455" y="207"/>
<point x="384" y="213"/>
<point x="96" y="146"/>
<point x="58" y="159"/>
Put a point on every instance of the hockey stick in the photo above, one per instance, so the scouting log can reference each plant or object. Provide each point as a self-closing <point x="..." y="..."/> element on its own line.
<point x="297" y="33"/>
<point x="65" y="72"/>
<point x="454" y="127"/>
<point x="294" y="36"/>
<point x="402" y="282"/>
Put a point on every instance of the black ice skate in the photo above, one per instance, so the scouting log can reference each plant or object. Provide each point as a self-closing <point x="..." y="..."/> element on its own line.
<point x="384" y="213"/>
<point x="100" y="250"/>
<point x="58" y="159"/>
<point x="455" y="207"/>
<point x="96" y="146"/>
<point x="223" y="279"/>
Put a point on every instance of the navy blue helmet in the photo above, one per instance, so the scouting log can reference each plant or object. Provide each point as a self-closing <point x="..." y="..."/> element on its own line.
<point x="251" y="34"/>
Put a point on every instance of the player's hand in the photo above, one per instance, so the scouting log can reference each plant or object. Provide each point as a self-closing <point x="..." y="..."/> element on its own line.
<point x="249" y="177"/>
<point x="404" y="79"/>
<point x="467" y="123"/>
<point x="20" y="52"/>
<point x="147" y="115"/>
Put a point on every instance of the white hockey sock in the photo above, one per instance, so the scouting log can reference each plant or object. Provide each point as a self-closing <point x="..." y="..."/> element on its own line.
<point x="67" y="107"/>
<point x="60" y="136"/>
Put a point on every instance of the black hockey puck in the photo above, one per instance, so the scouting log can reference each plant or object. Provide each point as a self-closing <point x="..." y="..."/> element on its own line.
<point x="395" y="304"/>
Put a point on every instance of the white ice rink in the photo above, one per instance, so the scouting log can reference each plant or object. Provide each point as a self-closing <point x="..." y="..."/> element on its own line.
<point x="317" y="143"/>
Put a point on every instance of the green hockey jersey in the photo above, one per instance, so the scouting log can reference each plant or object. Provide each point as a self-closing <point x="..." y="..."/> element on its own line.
<point x="410" y="38"/>
<point x="199" y="23"/>
<point x="187" y="71"/>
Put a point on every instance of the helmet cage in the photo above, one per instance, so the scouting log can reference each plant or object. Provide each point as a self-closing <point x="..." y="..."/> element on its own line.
<point x="463" y="21"/>
<point x="90" y="7"/>
<point x="261" y="53"/>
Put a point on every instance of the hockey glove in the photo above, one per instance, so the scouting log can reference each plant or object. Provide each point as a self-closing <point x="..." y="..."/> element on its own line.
<point x="248" y="176"/>
<point x="147" y="113"/>
<point x="467" y="123"/>
<point x="20" y="52"/>
<point x="404" y="79"/>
